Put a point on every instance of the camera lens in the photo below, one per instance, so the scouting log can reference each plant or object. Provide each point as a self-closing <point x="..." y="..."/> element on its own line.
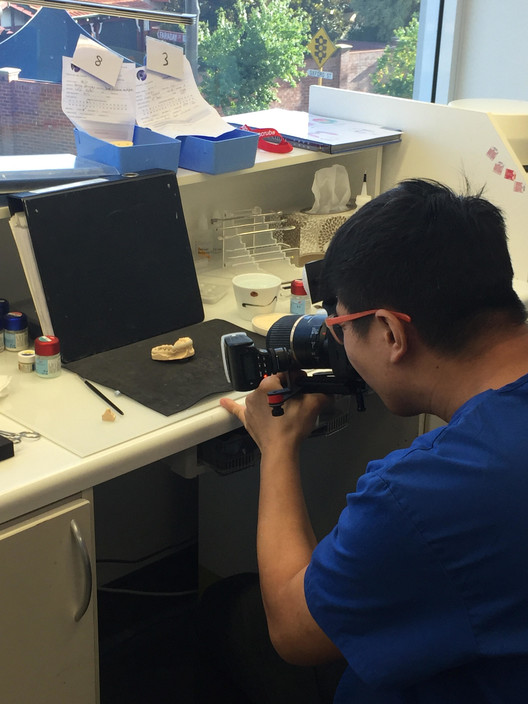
<point x="305" y="338"/>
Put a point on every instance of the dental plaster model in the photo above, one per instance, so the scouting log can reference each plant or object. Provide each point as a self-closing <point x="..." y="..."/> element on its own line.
<point x="181" y="349"/>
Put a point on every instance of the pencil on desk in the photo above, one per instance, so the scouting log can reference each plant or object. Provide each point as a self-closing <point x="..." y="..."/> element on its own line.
<point x="101" y="395"/>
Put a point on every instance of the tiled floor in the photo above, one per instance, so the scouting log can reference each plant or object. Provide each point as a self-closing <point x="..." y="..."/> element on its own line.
<point x="147" y="644"/>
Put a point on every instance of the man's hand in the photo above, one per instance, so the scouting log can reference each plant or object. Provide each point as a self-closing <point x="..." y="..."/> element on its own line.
<point x="297" y="422"/>
<point x="285" y="538"/>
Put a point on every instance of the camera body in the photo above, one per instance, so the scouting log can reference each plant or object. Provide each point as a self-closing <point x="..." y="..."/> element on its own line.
<point x="293" y="342"/>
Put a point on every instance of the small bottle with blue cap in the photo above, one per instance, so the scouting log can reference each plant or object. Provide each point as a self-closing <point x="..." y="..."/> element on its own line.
<point x="15" y="331"/>
<point x="4" y="308"/>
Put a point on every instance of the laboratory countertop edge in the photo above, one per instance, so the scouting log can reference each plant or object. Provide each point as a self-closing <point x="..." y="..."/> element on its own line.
<point x="42" y="472"/>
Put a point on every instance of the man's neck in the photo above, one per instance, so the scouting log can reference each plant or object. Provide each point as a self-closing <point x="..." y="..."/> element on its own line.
<point x="495" y="362"/>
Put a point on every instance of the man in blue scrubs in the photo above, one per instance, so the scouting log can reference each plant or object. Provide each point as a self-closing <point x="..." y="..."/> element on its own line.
<point x="423" y="584"/>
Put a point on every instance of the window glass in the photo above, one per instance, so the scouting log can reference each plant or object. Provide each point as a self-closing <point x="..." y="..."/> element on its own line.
<point x="247" y="55"/>
<point x="258" y="55"/>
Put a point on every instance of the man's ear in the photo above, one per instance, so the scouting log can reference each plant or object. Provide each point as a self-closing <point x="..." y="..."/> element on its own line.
<point x="395" y="334"/>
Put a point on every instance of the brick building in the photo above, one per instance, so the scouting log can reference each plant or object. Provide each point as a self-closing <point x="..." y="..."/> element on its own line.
<point x="31" y="117"/>
<point x="351" y="69"/>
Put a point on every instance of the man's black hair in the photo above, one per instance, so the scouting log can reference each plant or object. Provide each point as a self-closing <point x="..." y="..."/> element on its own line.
<point x="424" y="250"/>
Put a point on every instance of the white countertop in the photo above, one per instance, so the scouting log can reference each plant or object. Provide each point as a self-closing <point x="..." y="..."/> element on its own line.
<point x="46" y="470"/>
<point x="42" y="472"/>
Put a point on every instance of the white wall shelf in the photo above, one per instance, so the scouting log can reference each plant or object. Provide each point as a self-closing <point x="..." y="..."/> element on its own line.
<point x="263" y="162"/>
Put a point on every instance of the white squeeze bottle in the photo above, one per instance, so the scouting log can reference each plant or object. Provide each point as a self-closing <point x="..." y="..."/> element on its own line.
<point x="363" y="197"/>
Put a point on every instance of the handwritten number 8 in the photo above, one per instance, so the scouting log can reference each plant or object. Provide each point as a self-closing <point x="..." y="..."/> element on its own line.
<point x="98" y="60"/>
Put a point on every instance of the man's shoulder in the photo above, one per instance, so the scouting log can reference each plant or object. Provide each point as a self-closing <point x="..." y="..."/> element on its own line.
<point x="486" y="425"/>
<point x="460" y="467"/>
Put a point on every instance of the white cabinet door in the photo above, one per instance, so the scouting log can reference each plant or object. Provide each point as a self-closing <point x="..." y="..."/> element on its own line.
<point x="48" y="636"/>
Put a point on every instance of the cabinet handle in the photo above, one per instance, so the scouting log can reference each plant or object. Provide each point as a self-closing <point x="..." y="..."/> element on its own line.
<point x="87" y="567"/>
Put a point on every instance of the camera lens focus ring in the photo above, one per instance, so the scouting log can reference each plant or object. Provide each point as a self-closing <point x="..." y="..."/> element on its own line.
<point x="280" y="333"/>
<point x="304" y="336"/>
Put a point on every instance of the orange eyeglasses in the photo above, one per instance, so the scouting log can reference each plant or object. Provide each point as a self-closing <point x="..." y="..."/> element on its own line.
<point x="334" y="322"/>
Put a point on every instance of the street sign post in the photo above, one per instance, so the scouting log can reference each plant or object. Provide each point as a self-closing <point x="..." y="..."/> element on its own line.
<point x="321" y="48"/>
<point x="320" y="74"/>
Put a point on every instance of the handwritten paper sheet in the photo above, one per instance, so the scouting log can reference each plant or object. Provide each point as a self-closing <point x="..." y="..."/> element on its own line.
<point x="167" y="102"/>
<point x="175" y="107"/>
<point x="97" y="108"/>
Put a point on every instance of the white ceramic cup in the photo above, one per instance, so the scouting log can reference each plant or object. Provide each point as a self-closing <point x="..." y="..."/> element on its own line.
<point x="256" y="294"/>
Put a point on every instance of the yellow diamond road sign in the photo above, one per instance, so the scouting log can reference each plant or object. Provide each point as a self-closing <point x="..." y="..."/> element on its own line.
<point x="321" y="47"/>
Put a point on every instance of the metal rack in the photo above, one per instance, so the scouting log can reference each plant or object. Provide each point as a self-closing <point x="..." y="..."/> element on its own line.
<point x="251" y="237"/>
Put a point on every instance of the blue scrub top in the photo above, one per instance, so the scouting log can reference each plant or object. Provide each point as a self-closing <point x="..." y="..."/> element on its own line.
<point x="423" y="583"/>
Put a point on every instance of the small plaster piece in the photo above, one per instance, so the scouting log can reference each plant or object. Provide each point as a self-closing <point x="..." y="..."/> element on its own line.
<point x="109" y="415"/>
<point x="181" y="349"/>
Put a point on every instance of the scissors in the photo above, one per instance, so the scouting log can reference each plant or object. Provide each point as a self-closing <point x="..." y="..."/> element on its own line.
<point x="17" y="437"/>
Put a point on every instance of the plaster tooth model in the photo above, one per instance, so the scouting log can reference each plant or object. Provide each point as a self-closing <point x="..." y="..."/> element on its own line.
<point x="181" y="349"/>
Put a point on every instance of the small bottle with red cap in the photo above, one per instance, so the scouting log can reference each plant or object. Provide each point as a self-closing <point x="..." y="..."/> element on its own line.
<point x="47" y="356"/>
<point x="298" y="297"/>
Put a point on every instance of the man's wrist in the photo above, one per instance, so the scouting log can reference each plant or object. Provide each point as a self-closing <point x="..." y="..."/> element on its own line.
<point x="280" y="454"/>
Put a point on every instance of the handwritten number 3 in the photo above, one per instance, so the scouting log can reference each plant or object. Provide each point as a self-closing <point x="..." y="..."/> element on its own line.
<point x="166" y="57"/>
<point x="98" y="60"/>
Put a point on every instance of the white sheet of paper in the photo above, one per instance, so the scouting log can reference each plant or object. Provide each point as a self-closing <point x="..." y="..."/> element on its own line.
<point x="97" y="60"/>
<point x="175" y="107"/>
<point x="164" y="58"/>
<point x="96" y="108"/>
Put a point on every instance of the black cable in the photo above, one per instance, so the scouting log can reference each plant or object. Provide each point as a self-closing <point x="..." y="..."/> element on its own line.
<point x="146" y="592"/>
<point x="169" y="550"/>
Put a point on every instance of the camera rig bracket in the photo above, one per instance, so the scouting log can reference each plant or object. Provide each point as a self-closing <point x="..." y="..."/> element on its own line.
<point x="319" y="383"/>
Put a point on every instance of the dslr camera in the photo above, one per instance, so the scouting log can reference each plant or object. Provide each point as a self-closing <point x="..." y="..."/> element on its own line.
<point x="294" y="342"/>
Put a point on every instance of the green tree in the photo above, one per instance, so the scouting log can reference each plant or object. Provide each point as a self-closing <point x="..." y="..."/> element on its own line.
<point x="331" y="15"/>
<point x="395" y="69"/>
<point x="243" y="58"/>
<point x="209" y="10"/>
<point x="377" y="20"/>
